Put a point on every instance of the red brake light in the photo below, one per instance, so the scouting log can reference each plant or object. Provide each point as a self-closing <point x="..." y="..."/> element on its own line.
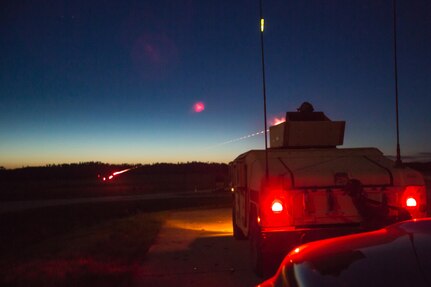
<point x="411" y="202"/>
<point x="413" y="196"/>
<point x="277" y="206"/>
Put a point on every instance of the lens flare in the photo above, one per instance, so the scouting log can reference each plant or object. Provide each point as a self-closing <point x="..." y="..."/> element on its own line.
<point x="199" y="107"/>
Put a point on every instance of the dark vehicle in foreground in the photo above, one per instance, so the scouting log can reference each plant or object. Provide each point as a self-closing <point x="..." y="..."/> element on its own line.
<point x="398" y="255"/>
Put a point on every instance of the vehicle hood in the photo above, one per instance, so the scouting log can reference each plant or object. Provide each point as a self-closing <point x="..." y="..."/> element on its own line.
<point x="398" y="255"/>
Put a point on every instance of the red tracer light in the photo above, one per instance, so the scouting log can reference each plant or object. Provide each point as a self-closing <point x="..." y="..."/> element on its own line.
<point x="276" y="206"/>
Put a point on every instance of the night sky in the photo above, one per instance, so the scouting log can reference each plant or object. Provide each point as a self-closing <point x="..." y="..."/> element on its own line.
<point x="118" y="81"/>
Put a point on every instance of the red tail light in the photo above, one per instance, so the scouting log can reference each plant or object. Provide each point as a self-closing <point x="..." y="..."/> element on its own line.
<point x="414" y="196"/>
<point x="411" y="202"/>
<point x="277" y="206"/>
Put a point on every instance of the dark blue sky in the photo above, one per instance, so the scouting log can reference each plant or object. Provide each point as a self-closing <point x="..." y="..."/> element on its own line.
<point x="115" y="81"/>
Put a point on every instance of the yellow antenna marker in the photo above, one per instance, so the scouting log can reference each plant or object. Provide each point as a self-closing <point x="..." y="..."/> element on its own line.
<point x="262" y="24"/>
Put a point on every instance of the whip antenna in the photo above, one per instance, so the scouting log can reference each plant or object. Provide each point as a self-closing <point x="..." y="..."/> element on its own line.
<point x="398" y="162"/>
<point x="262" y="28"/>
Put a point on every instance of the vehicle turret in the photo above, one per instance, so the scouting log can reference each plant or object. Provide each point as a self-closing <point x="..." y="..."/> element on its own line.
<point x="306" y="129"/>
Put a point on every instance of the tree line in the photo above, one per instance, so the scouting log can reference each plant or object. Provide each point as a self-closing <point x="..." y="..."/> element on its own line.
<point x="93" y="169"/>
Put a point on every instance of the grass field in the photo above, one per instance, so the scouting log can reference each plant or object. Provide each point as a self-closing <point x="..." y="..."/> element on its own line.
<point x="38" y="190"/>
<point x="86" y="245"/>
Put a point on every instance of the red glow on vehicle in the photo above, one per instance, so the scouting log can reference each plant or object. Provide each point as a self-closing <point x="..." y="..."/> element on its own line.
<point x="111" y="177"/>
<point x="277" y="206"/>
<point x="411" y="202"/>
<point x="104" y="178"/>
<point x="277" y="121"/>
<point x="199" y="107"/>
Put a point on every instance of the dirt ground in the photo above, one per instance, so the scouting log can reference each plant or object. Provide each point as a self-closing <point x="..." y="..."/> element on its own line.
<point x="196" y="248"/>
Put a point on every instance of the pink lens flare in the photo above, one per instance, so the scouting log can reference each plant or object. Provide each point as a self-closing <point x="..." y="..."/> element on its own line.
<point x="199" y="107"/>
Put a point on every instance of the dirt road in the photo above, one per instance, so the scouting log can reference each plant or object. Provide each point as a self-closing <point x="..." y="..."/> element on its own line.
<point x="196" y="248"/>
